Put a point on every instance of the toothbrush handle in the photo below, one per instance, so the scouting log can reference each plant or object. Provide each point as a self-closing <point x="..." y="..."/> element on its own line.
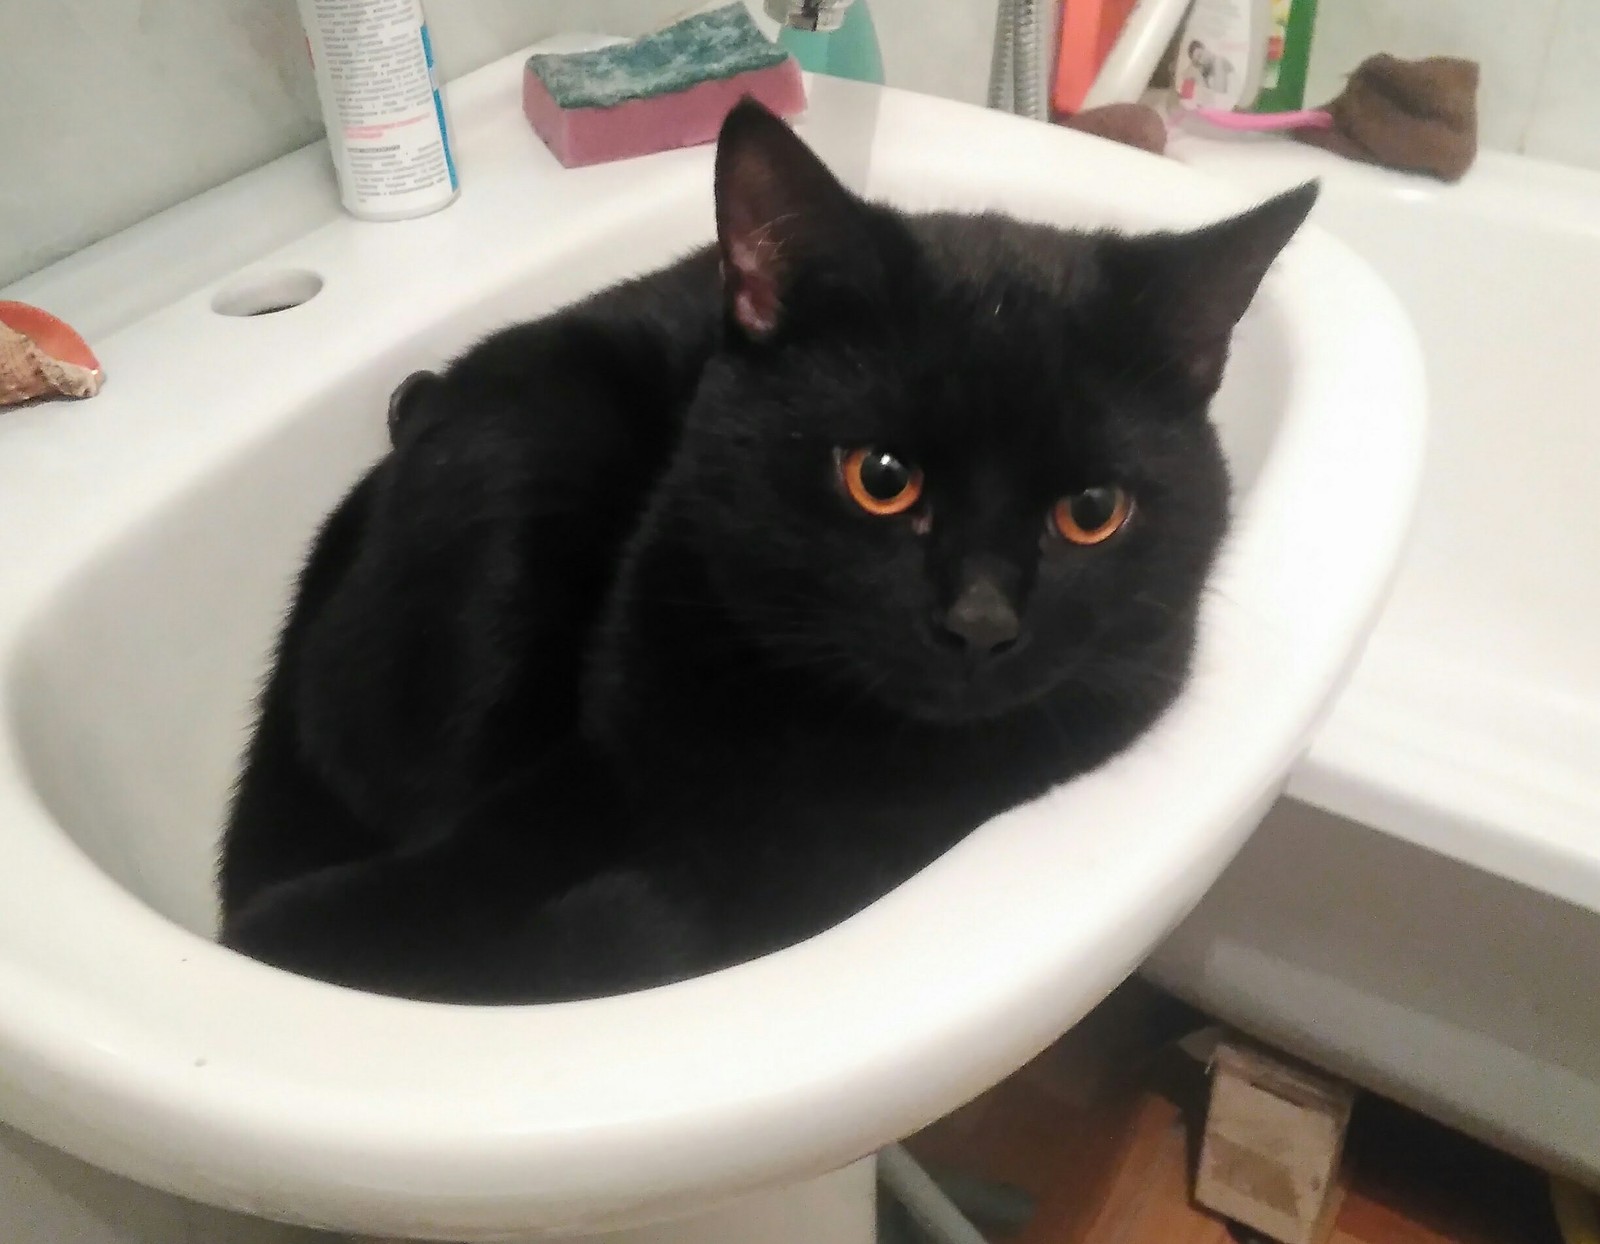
<point x="1304" y="119"/>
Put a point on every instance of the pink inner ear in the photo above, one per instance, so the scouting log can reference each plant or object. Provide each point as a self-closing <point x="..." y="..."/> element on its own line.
<point x="753" y="285"/>
<point x="1204" y="363"/>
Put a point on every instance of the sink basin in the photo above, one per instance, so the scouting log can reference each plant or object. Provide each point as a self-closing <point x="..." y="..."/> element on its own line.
<point x="147" y="544"/>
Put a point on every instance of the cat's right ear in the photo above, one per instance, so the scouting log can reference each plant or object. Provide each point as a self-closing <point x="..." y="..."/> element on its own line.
<point x="781" y="217"/>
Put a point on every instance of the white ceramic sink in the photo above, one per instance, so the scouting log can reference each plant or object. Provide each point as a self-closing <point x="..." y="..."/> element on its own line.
<point x="147" y="540"/>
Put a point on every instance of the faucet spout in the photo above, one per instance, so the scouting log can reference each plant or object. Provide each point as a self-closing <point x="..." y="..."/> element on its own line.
<point x="818" y="15"/>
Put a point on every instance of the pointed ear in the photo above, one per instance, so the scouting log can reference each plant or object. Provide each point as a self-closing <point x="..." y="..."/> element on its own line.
<point x="780" y="216"/>
<point x="1191" y="289"/>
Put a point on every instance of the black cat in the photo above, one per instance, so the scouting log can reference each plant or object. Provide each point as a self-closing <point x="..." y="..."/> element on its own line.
<point x="687" y="621"/>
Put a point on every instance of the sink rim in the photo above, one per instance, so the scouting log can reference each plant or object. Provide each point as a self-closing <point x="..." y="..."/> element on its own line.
<point x="499" y="1146"/>
<point x="1458" y="746"/>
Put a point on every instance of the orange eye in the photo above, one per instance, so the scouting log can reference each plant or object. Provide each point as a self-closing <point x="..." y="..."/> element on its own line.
<point x="1093" y="515"/>
<point x="879" y="482"/>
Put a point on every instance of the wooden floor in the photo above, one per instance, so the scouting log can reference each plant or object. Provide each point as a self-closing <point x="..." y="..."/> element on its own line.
<point x="1100" y="1132"/>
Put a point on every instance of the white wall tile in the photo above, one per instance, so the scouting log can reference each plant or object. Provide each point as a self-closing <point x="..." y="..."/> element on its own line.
<point x="1508" y="38"/>
<point x="939" y="47"/>
<point x="110" y="110"/>
<point x="1566" y="118"/>
<point x="470" y="33"/>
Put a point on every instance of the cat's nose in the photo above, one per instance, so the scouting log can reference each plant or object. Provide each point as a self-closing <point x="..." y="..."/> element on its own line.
<point x="982" y="618"/>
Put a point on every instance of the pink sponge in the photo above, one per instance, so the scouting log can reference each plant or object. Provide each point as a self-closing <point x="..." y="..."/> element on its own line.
<point x="668" y="89"/>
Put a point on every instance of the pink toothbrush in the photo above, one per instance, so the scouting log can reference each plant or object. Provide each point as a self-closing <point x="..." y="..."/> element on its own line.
<point x="1304" y="119"/>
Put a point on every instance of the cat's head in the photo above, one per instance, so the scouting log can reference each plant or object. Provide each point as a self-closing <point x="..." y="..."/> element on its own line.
<point x="952" y="461"/>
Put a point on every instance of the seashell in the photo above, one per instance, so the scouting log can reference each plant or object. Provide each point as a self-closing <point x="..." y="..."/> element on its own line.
<point x="41" y="356"/>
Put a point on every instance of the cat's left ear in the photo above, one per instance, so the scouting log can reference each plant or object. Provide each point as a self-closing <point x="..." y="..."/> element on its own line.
<point x="783" y="219"/>
<point x="1191" y="289"/>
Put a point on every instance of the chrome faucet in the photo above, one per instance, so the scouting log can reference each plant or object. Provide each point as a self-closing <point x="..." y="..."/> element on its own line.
<point x="819" y="15"/>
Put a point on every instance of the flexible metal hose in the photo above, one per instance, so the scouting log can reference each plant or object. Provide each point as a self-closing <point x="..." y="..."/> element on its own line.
<point x="1000" y="72"/>
<point x="1026" y="66"/>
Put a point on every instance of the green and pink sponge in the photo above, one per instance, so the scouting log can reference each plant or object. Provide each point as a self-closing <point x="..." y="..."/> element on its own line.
<point x="668" y="89"/>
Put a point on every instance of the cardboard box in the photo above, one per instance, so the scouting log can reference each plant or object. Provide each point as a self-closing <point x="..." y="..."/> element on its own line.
<point x="1273" y="1142"/>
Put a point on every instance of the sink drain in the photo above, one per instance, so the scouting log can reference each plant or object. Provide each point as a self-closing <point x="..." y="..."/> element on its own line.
<point x="266" y="293"/>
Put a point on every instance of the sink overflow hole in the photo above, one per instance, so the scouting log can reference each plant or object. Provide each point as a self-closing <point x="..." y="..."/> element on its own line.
<point x="266" y="293"/>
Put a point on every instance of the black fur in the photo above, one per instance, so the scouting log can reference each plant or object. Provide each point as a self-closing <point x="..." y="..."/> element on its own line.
<point x="599" y="679"/>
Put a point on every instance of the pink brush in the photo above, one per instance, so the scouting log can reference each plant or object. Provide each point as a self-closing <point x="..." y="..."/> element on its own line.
<point x="1258" y="122"/>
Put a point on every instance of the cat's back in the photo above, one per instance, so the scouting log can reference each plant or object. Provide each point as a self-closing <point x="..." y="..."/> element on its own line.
<point x="547" y="413"/>
<point x="654" y="331"/>
<point x="446" y="603"/>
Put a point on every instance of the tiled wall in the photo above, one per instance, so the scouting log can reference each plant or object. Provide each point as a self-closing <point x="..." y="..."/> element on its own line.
<point x="1540" y="60"/>
<point x="113" y="109"/>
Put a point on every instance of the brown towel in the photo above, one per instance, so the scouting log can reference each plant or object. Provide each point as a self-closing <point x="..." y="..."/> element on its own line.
<point x="1420" y="116"/>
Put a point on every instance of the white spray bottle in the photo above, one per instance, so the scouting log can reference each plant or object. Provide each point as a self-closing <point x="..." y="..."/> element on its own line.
<point x="382" y="106"/>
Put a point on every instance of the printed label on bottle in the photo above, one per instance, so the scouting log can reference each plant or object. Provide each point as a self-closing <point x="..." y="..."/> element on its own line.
<point x="383" y="108"/>
<point x="1214" y="68"/>
<point x="1277" y="40"/>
